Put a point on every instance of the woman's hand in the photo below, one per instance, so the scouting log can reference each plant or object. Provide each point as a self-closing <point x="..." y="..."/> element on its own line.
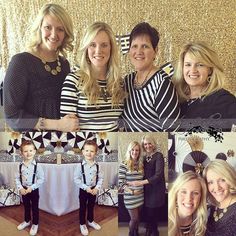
<point x="69" y="123"/>
<point x="135" y="183"/>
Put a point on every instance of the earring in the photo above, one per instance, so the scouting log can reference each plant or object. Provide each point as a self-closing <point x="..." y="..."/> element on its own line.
<point x="209" y="79"/>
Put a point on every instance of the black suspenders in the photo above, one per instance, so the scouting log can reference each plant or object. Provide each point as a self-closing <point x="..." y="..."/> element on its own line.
<point x="35" y="169"/>
<point x="84" y="178"/>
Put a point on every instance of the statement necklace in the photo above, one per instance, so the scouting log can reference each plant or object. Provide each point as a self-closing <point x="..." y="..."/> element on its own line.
<point x="148" y="158"/>
<point x="221" y="214"/>
<point x="50" y="70"/>
<point x="138" y="84"/>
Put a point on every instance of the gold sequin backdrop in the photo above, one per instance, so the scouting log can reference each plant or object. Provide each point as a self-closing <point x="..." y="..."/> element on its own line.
<point x="179" y="21"/>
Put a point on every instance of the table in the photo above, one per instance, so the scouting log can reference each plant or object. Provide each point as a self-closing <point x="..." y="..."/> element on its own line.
<point x="58" y="194"/>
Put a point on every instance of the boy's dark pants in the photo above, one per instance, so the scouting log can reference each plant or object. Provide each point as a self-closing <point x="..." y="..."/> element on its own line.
<point x="31" y="200"/>
<point x="86" y="200"/>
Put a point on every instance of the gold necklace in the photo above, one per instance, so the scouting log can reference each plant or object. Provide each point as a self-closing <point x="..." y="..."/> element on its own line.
<point x="50" y="70"/>
<point x="138" y="84"/>
<point x="221" y="214"/>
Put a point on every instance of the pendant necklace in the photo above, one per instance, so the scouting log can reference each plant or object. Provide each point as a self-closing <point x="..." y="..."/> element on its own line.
<point x="103" y="90"/>
<point x="139" y="85"/>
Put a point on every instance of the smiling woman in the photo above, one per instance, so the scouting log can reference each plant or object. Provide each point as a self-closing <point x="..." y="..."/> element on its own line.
<point x="34" y="78"/>
<point x="199" y="80"/>
<point x="152" y="103"/>
<point x="187" y="214"/>
<point x="221" y="182"/>
<point x="94" y="92"/>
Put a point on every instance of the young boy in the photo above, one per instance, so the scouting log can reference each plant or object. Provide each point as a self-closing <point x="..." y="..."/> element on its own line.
<point x="88" y="178"/>
<point x="28" y="179"/>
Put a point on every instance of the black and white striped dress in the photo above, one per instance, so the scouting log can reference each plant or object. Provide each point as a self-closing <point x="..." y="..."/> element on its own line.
<point x="153" y="107"/>
<point x="93" y="118"/>
<point x="131" y="201"/>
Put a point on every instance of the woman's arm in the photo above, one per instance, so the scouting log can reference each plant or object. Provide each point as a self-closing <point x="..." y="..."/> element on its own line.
<point x="69" y="97"/>
<point x="16" y="88"/>
<point x="167" y="105"/>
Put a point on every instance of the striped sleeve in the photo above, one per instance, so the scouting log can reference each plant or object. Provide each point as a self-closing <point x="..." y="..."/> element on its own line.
<point x="122" y="174"/>
<point x="69" y="95"/>
<point x="167" y="105"/>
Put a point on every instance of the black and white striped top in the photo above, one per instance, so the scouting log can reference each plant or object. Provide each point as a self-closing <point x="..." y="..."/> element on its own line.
<point x="131" y="201"/>
<point x="153" y="107"/>
<point x="93" y="118"/>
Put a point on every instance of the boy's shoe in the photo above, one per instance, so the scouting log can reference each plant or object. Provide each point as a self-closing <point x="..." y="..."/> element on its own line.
<point x="83" y="230"/>
<point x="94" y="225"/>
<point x="23" y="225"/>
<point x="34" y="230"/>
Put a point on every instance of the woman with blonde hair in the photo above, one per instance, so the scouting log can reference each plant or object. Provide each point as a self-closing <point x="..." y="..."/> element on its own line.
<point x="94" y="92"/>
<point x="153" y="182"/>
<point x="187" y="213"/>
<point x="221" y="183"/>
<point x="132" y="170"/>
<point x="34" y="78"/>
<point x="199" y="79"/>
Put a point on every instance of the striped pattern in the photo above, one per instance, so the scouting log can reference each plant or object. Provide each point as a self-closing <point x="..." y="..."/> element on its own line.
<point x="131" y="201"/>
<point x="154" y="107"/>
<point x="92" y="118"/>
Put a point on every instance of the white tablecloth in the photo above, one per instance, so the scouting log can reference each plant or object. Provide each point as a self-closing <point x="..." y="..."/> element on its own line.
<point x="58" y="194"/>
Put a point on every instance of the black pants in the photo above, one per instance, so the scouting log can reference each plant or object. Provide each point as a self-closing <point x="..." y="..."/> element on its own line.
<point x="152" y="220"/>
<point x="31" y="201"/>
<point x="86" y="201"/>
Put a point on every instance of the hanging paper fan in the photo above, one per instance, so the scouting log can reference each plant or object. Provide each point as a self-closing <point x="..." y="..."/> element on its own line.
<point x="14" y="145"/>
<point x="46" y="137"/>
<point x="71" y="139"/>
<point x="195" y="161"/>
<point x="182" y="148"/>
<point x="58" y="136"/>
<point x="81" y="137"/>
<point x="104" y="144"/>
<point x="35" y="137"/>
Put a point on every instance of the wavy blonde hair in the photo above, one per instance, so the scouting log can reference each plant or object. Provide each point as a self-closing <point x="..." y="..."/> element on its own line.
<point x="224" y="169"/>
<point x="59" y="12"/>
<point x="128" y="159"/>
<point x="198" y="226"/>
<point x="205" y="54"/>
<point x="88" y="84"/>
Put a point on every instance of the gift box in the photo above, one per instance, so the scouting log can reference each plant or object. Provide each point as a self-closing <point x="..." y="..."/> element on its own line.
<point x="108" y="197"/>
<point x="9" y="197"/>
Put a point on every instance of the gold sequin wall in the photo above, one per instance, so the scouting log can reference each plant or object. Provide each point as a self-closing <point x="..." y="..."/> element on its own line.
<point x="177" y="22"/>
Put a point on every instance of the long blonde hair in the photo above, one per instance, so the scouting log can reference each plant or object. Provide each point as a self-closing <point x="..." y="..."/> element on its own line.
<point x="128" y="159"/>
<point x="88" y="84"/>
<point x="224" y="169"/>
<point x="59" y="12"/>
<point x="204" y="53"/>
<point x="198" y="226"/>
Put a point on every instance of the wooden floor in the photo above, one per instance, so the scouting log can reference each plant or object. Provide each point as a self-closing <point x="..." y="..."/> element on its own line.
<point x="50" y="225"/>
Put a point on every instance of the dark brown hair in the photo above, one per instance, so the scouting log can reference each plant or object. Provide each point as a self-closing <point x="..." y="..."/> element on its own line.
<point x="145" y="29"/>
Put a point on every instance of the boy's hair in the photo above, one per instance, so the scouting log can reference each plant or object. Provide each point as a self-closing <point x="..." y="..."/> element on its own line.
<point x="92" y="143"/>
<point x="26" y="143"/>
